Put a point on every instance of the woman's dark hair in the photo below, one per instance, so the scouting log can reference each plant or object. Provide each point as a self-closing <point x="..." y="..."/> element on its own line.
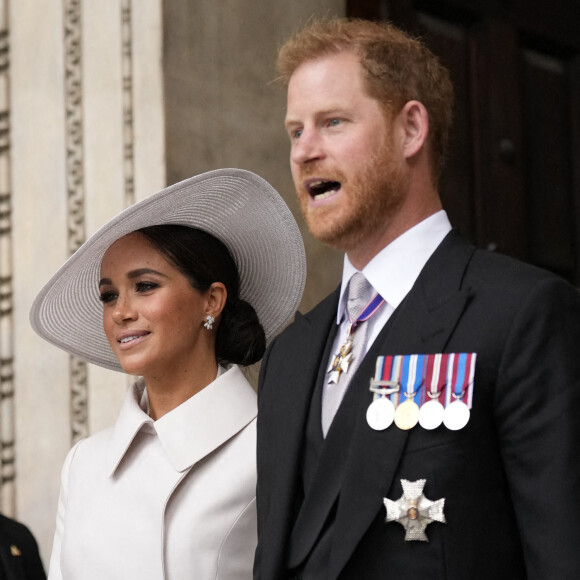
<point x="203" y="260"/>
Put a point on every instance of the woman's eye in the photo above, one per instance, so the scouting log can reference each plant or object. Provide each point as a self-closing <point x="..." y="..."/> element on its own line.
<point x="106" y="297"/>
<point x="146" y="286"/>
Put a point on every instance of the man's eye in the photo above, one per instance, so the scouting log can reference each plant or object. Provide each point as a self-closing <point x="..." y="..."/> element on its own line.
<point x="296" y="134"/>
<point x="106" y="297"/>
<point x="334" y="122"/>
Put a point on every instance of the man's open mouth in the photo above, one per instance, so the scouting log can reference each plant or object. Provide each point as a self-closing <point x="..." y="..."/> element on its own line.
<point x="321" y="189"/>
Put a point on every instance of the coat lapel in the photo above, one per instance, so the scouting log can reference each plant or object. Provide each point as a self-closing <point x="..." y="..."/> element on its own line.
<point x="423" y="323"/>
<point x="299" y="352"/>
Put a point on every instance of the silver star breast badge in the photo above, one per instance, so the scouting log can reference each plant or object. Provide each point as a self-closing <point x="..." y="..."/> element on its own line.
<point x="414" y="511"/>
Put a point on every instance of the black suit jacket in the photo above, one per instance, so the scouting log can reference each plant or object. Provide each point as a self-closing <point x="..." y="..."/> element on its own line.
<point x="510" y="478"/>
<point x="19" y="556"/>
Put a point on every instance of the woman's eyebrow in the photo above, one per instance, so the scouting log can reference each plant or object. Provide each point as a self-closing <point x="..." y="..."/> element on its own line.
<point x="133" y="274"/>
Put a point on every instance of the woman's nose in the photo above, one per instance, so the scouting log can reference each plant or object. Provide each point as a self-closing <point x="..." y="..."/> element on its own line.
<point x="124" y="309"/>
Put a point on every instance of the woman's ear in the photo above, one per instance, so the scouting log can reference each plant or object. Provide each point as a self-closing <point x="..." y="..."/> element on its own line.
<point x="414" y="121"/>
<point x="216" y="296"/>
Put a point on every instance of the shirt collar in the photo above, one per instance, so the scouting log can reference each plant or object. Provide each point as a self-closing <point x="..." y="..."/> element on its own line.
<point x="394" y="270"/>
<point x="193" y="429"/>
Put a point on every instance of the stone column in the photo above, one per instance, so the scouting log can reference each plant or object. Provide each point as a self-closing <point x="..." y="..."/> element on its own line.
<point x="87" y="139"/>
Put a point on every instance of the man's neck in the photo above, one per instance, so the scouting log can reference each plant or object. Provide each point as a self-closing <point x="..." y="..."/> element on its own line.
<point x="364" y="252"/>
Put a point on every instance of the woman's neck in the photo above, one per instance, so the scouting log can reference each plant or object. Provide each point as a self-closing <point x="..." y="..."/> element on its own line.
<point x="168" y="392"/>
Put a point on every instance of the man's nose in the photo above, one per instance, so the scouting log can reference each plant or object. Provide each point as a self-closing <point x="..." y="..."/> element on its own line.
<point x="308" y="147"/>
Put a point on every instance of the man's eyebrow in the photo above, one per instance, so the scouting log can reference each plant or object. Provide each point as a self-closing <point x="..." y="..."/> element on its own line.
<point x="334" y="110"/>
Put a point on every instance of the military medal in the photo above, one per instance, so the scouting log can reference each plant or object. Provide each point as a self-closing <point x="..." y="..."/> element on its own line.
<point x="456" y="415"/>
<point x="431" y="412"/>
<point x="407" y="412"/>
<point x="407" y="415"/>
<point x="457" y="411"/>
<point x="414" y="511"/>
<point x="344" y="357"/>
<point x="380" y="414"/>
<point x="446" y="398"/>
<point x="381" y="411"/>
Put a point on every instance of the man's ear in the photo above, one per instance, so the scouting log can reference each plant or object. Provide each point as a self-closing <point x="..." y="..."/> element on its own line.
<point x="216" y="297"/>
<point x="414" y="121"/>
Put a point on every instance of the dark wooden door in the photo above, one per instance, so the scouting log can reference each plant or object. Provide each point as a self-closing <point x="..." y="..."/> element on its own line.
<point x="513" y="176"/>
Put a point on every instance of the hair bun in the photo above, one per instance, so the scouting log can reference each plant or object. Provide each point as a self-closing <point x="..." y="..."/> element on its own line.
<point x="240" y="336"/>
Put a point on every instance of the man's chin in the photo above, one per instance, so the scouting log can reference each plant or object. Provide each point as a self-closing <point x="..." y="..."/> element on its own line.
<point x="338" y="238"/>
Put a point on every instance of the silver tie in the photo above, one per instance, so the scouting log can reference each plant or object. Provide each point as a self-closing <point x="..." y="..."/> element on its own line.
<point x="360" y="293"/>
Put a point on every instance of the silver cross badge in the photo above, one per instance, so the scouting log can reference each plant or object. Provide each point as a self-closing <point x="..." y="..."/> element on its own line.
<point x="414" y="511"/>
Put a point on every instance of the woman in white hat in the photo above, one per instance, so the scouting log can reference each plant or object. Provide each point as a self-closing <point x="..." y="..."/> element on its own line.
<point x="179" y="290"/>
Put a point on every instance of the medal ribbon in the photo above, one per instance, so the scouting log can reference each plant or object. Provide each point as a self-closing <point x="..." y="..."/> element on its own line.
<point x="435" y="377"/>
<point x="460" y="375"/>
<point x="411" y="377"/>
<point x="368" y="311"/>
<point x="446" y="376"/>
<point x="386" y="382"/>
<point x="472" y="357"/>
<point x="396" y="378"/>
<point x="342" y="359"/>
<point x="430" y="369"/>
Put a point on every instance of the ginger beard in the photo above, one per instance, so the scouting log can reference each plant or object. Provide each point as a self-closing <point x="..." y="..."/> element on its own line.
<point x="371" y="196"/>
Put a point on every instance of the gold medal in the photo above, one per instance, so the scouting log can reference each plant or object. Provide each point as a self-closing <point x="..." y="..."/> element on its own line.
<point x="407" y="415"/>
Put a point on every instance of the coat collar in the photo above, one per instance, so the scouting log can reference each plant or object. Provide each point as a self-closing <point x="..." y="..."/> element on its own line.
<point x="195" y="428"/>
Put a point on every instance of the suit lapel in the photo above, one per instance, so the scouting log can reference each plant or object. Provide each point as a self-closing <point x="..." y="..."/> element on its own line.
<point x="297" y="381"/>
<point x="423" y="323"/>
<point x="294" y="377"/>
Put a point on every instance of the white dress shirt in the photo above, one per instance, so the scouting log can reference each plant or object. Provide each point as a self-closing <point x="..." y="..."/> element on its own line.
<point x="392" y="273"/>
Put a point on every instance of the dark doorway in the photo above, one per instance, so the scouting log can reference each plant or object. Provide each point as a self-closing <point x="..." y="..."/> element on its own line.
<point x="513" y="176"/>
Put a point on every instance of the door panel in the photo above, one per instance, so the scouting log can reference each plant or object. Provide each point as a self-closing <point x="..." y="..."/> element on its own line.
<point x="513" y="177"/>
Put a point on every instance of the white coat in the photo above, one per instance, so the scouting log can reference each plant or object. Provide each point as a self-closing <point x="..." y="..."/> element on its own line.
<point x="172" y="499"/>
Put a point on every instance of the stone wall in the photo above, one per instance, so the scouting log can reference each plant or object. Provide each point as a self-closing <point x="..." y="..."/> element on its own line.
<point x="223" y="106"/>
<point x="101" y="104"/>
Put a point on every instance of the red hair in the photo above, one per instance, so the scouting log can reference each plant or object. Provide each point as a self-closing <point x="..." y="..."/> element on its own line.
<point x="397" y="68"/>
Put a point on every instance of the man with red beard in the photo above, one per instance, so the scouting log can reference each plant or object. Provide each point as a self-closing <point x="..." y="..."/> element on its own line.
<point x="422" y="420"/>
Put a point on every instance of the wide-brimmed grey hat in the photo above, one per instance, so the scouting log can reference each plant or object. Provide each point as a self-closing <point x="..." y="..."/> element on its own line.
<point x="236" y="206"/>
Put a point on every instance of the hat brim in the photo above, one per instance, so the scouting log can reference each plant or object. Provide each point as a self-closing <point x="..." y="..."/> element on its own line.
<point x="236" y="206"/>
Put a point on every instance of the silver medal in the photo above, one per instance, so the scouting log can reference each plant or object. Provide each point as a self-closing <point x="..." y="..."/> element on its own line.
<point x="431" y="414"/>
<point x="456" y="415"/>
<point x="414" y="511"/>
<point x="380" y="414"/>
